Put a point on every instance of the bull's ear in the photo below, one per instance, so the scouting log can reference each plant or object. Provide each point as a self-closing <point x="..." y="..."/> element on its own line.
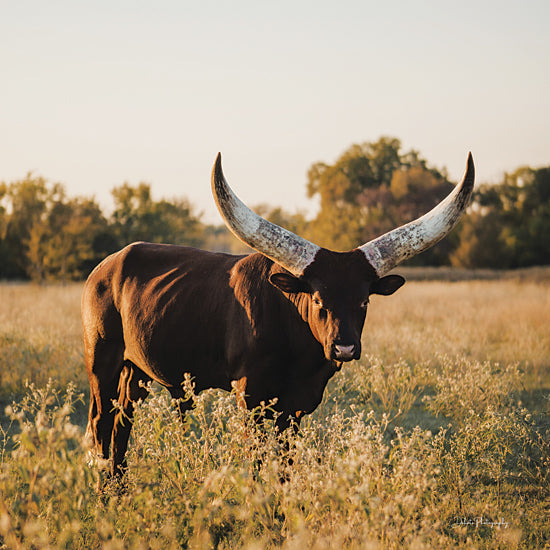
<point x="288" y="283"/>
<point x="387" y="285"/>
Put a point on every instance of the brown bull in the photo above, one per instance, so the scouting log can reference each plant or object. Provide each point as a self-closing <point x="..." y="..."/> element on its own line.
<point x="280" y="322"/>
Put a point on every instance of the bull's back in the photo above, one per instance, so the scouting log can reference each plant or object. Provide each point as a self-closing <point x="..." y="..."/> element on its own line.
<point x="168" y="304"/>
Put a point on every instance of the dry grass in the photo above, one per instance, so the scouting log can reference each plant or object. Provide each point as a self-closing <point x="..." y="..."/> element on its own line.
<point x="40" y="336"/>
<point x="438" y="438"/>
<point x="499" y="321"/>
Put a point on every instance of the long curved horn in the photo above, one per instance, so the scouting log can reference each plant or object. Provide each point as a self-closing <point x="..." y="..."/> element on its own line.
<point x="390" y="249"/>
<point x="280" y="245"/>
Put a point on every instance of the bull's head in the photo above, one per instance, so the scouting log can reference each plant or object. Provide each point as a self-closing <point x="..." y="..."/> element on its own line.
<point x="331" y="289"/>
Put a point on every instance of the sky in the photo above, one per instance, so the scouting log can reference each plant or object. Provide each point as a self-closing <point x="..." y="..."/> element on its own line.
<point x="95" y="94"/>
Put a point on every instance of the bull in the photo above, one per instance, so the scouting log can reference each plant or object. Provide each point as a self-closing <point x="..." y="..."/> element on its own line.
<point x="276" y="324"/>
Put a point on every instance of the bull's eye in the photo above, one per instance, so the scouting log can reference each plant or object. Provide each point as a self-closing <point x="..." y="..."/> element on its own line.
<point x="365" y="303"/>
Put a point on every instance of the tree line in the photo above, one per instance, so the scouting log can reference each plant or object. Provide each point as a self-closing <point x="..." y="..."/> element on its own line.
<point x="370" y="189"/>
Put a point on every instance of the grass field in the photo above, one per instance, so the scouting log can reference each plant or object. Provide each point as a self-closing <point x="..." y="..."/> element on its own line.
<point x="438" y="438"/>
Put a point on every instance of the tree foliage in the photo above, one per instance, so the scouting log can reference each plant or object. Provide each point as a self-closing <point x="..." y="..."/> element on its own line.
<point x="44" y="235"/>
<point x="509" y="223"/>
<point x="371" y="188"/>
<point x="374" y="187"/>
<point x="137" y="217"/>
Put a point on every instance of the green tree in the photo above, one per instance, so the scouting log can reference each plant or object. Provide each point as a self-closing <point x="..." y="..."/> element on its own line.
<point x="371" y="189"/>
<point x="67" y="241"/>
<point x="77" y="239"/>
<point x="4" y="254"/>
<point x="45" y="235"/>
<point x="28" y="200"/>
<point x="481" y="241"/>
<point x="532" y="234"/>
<point x="137" y="217"/>
<point x="297" y="222"/>
<point x="509" y="223"/>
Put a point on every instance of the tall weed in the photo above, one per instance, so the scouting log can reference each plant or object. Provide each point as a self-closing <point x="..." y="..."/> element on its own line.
<point x="427" y="442"/>
<point x="463" y="388"/>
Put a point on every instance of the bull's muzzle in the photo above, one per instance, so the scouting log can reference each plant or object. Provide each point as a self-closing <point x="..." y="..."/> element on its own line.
<point x="343" y="352"/>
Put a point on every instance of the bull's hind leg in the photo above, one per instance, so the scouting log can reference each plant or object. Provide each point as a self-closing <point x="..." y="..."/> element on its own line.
<point x="104" y="361"/>
<point x="131" y="388"/>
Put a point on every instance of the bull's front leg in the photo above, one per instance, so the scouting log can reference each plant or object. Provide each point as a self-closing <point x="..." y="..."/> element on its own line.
<point x="286" y="421"/>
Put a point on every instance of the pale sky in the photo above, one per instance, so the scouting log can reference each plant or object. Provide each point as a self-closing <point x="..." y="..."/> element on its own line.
<point x="93" y="94"/>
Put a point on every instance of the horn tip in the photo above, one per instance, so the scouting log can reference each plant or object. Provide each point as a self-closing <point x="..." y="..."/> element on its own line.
<point x="217" y="180"/>
<point x="471" y="166"/>
<point x="217" y="169"/>
<point x="469" y="174"/>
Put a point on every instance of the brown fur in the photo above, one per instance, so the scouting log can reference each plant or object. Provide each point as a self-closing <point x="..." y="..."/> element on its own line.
<point x="156" y="312"/>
